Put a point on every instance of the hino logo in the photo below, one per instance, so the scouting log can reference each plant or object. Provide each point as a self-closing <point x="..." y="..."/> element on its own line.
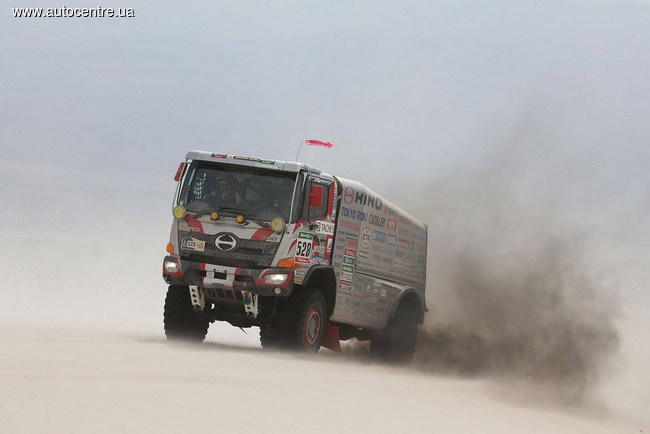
<point x="225" y="242"/>
<point x="367" y="200"/>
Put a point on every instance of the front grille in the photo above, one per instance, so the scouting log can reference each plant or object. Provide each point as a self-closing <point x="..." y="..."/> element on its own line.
<point x="249" y="251"/>
<point x="246" y="254"/>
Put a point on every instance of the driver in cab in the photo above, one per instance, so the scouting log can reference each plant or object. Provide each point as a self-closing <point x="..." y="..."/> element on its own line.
<point x="225" y="193"/>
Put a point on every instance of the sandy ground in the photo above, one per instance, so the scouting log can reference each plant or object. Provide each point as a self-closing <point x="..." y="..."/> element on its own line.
<point x="74" y="381"/>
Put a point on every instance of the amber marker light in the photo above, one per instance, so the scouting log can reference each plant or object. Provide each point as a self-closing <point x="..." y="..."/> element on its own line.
<point x="179" y="212"/>
<point x="170" y="248"/>
<point x="285" y="263"/>
<point x="214" y="215"/>
<point x="240" y="219"/>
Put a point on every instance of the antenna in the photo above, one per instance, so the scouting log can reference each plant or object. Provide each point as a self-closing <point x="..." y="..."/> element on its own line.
<point x="299" y="148"/>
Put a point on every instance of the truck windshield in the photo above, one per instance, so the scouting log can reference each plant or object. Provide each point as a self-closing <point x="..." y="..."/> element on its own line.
<point x="257" y="194"/>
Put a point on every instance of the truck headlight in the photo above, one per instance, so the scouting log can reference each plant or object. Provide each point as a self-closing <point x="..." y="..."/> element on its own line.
<point x="275" y="278"/>
<point x="171" y="267"/>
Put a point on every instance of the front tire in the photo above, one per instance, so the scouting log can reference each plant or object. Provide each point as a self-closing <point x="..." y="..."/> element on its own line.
<point x="303" y="320"/>
<point x="182" y="323"/>
<point x="269" y="340"/>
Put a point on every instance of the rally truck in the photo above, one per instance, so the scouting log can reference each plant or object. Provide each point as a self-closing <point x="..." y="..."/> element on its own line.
<point x="309" y="258"/>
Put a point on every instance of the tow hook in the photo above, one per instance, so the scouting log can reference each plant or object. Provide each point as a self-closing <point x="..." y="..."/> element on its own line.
<point x="250" y="304"/>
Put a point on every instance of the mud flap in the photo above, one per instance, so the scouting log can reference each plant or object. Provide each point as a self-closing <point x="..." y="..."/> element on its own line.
<point x="331" y="339"/>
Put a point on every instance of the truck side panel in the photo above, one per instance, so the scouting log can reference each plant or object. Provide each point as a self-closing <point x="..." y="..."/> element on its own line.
<point x="379" y="253"/>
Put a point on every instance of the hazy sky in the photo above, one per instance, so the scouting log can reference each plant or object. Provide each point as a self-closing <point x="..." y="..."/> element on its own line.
<point x="423" y="86"/>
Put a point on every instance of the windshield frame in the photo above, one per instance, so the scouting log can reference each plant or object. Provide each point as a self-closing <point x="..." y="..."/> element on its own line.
<point x="194" y="165"/>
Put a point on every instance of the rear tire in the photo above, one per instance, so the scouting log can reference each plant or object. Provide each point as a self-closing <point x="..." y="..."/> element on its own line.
<point x="396" y="343"/>
<point x="302" y="322"/>
<point x="182" y="323"/>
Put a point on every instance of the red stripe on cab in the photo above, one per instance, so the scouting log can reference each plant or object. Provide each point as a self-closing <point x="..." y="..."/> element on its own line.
<point x="262" y="234"/>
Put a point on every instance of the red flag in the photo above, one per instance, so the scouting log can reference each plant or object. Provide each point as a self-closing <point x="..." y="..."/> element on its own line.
<point x="317" y="143"/>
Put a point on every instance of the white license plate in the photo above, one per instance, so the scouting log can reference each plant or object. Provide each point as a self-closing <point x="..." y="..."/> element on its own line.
<point x="193" y="244"/>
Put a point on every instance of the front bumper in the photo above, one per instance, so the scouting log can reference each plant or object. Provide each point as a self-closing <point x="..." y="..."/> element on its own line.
<point x="214" y="276"/>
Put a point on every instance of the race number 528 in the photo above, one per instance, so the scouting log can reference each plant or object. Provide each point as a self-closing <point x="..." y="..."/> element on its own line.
<point x="304" y="247"/>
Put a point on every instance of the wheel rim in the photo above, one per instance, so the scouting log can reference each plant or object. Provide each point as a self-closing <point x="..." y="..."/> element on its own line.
<point x="311" y="327"/>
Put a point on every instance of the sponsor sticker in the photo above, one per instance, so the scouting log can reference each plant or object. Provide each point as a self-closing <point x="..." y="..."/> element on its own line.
<point x="392" y="225"/>
<point x="350" y="252"/>
<point x="379" y="236"/>
<point x="366" y="237"/>
<point x="377" y="220"/>
<point x="192" y="243"/>
<point x="328" y="246"/>
<point x="404" y="244"/>
<point x="349" y="260"/>
<point x="325" y="228"/>
<point x="346" y="277"/>
<point x="355" y="226"/>
<point x="346" y="273"/>
<point x="364" y="254"/>
<point x="266" y="165"/>
<point x="391" y="240"/>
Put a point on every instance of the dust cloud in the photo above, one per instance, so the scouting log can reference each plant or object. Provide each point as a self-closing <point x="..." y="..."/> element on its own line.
<point x="513" y="290"/>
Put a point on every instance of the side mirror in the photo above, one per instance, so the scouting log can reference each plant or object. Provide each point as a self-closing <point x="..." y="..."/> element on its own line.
<point x="316" y="195"/>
